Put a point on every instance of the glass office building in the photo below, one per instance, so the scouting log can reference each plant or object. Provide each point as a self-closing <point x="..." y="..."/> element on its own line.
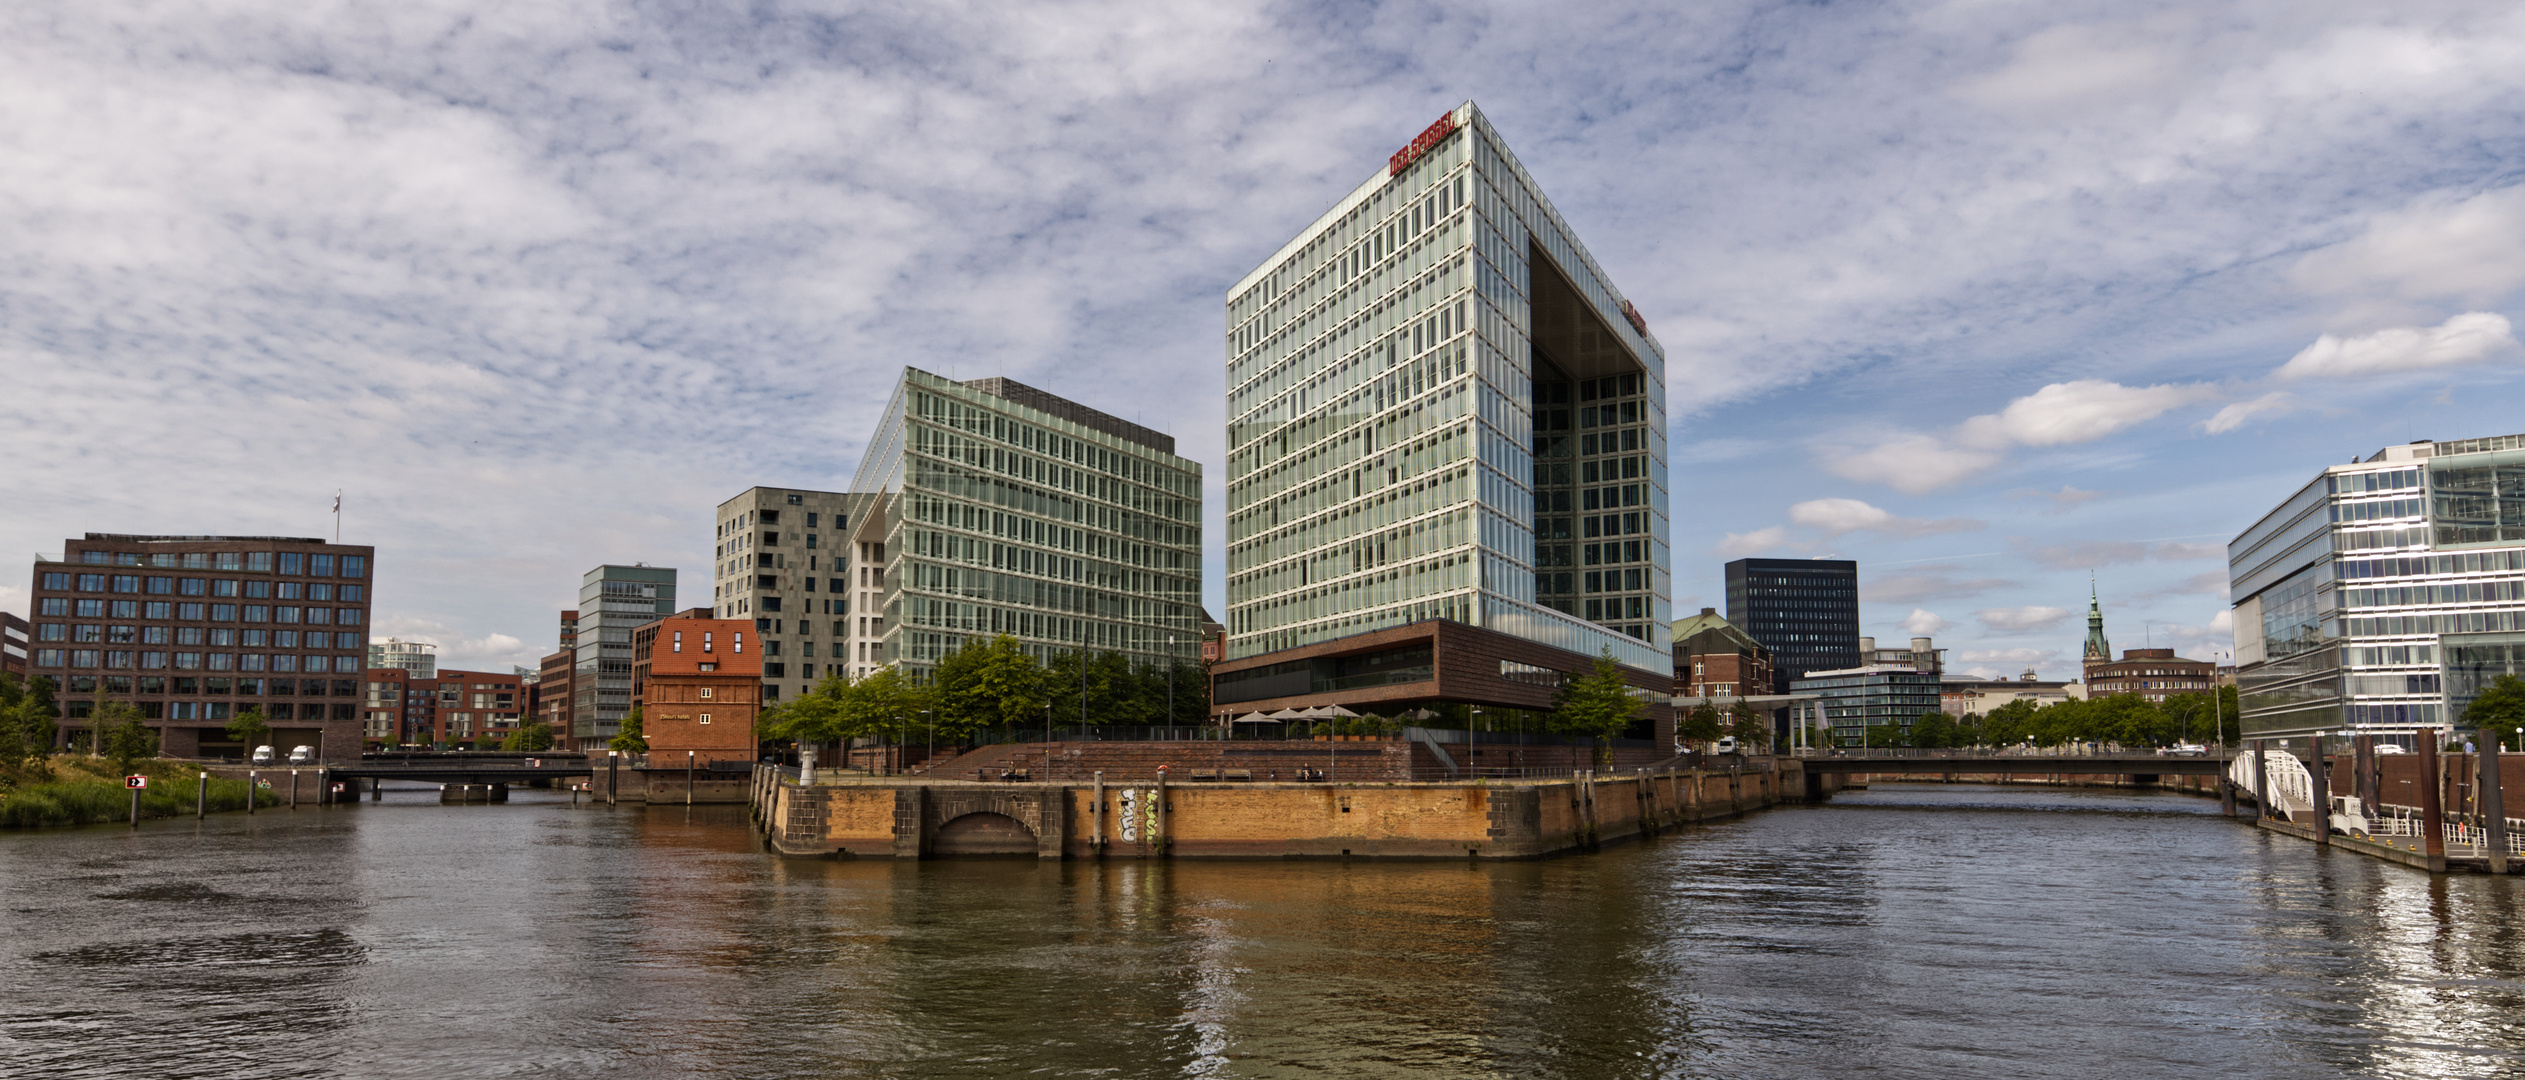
<point x="1887" y="687"/>
<point x="2384" y="594"/>
<point x="613" y="601"/>
<point x="1440" y="408"/>
<point x="990" y="507"/>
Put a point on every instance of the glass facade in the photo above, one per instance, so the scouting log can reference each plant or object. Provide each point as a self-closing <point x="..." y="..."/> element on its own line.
<point x="613" y="601"/>
<point x="2384" y="594"/>
<point x="991" y="508"/>
<point x="1438" y="407"/>
<point x="1806" y="611"/>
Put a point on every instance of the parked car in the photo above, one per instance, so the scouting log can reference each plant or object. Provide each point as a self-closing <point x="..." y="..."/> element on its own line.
<point x="1724" y="746"/>
<point x="2189" y="749"/>
<point x="2390" y="748"/>
<point x="302" y="755"/>
<point x="262" y="755"/>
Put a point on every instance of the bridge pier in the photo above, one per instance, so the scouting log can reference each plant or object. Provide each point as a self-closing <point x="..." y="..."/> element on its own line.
<point x="2322" y="791"/>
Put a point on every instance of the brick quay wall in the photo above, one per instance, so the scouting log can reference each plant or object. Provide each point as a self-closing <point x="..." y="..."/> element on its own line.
<point x="1480" y="819"/>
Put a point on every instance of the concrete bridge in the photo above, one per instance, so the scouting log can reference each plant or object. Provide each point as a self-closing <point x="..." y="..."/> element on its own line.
<point x="1988" y="763"/>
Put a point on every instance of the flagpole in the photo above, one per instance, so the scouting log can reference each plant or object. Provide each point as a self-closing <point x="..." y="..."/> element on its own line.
<point x="337" y="515"/>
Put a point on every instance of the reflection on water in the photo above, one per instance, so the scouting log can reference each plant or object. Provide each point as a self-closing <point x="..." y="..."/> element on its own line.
<point x="1928" y="931"/>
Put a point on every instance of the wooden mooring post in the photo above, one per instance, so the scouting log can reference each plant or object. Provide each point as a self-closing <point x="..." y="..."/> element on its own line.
<point x="2432" y="796"/>
<point x="2493" y="803"/>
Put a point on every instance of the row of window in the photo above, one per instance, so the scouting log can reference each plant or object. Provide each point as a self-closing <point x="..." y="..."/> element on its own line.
<point x="216" y="685"/>
<point x="215" y="636"/>
<point x="62" y="581"/>
<point x="293" y="563"/>
<point x="193" y="661"/>
<point x="183" y="611"/>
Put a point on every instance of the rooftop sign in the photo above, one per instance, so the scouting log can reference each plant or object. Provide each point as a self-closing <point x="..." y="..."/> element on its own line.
<point x="1638" y="321"/>
<point x="1429" y="137"/>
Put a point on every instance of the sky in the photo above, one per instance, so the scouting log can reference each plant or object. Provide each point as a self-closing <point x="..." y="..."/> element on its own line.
<point x="1994" y="297"/>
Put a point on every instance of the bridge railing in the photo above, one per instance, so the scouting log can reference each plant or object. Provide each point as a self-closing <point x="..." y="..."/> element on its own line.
<point x="2039" y="753"/>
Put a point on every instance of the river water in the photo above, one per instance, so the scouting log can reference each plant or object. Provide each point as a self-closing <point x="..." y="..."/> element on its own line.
<point x="1904" y="931"/>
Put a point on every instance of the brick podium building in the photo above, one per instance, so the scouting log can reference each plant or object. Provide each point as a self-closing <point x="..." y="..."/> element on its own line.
<point x="697" y="682"/>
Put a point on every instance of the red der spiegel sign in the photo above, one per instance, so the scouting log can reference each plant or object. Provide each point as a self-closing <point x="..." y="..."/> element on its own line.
<point x="1428" y="138"/>
<point x="135" y="781"/>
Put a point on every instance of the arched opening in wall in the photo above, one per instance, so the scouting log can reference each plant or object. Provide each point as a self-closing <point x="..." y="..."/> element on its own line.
<point x="984" y="834"/>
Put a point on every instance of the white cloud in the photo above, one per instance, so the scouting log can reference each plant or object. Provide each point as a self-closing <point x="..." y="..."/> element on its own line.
<point x="1838" y="516"/>
<point x="2008" y="656"/>
<point x="1923" y="623"/>
<point x="1925" y="583"/>
<point x="2089" y="554"/>
<point x="2062" y="501"/>
<point x="2442" y="246"/>
<point x="494" y="652"/>
<point x="2079" y="411"/>
<point x="2173" y="550"/>
<point x="2017" y="620"/>
<point x="1739" y="545"/>
<point x="2464" y="339"/>
<point x="2273" y="404"/>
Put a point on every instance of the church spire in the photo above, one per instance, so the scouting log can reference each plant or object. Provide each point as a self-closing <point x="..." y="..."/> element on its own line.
<point x="2098" y="649"/>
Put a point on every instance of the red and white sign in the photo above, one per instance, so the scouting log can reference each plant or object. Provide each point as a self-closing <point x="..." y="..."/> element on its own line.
<point x="135" y="781"/>
<point x="1638" y="322"/>
<point x="1428" y="139"/>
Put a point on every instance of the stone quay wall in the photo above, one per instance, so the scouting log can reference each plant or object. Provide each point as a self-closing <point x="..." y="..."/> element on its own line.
<point x="1483" y="819"/>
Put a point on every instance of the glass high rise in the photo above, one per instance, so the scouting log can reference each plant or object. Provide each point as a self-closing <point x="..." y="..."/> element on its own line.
<point x="990" y="507"/>
<point x="1805" y="610"/>
<point x="1440" y="408"/>
<point x="2385" y="594"/>
<point x="613" y="601"/>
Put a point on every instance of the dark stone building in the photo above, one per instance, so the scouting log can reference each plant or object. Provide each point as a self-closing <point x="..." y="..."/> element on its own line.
<point x="1806" y="611"/>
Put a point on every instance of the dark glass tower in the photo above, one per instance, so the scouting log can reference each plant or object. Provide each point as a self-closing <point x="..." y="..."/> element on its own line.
<point x="1805" y="610"/>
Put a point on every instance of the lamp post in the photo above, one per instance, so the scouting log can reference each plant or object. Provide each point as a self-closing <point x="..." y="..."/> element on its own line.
<point x="932" y="723"/>
<point x="1170" y="680"/>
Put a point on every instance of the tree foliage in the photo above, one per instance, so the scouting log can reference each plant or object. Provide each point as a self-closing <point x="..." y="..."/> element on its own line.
<point x="529" y="737"/>
<point x="1750" y="726"/>
<point x="121" y="737"/>
<point x="629" y="739"/>
<point x="1702" y="725"/>
<point x="2500" y="709"/>
<point x="1596" y="703"/>
<point x="2120" y="719"/>
<point x="251" y="729"/>
<point x="882" y="703"/>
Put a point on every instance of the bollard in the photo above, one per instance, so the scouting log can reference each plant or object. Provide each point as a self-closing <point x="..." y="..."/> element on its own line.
<point x="1096" y="816"/>
<point x="293" y="789"/>
<point x="688" y="777"/>
<point x="201" y="798"/>
<point x="2321" y="778"/>
<point x="613" y="776"/>
<point x="2261" y="780"/>
<point x="135" y="808"/>
<point x="249" y="791"/>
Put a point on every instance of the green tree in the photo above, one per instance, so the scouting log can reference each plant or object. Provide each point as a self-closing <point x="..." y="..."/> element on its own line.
<point x="2009" y="724"/>
<point x="1703" y="725"/>
<point x="251" y="729"/>
<point x="1596" y="703"/>
<point x="1751" y="728"/>
<point x="1887" y="735"/>
<point x="121" y="737"/>
<point x="629" y="739"/>
<point x="1933" y="730"/>
<point x="529" y="737"/>
<point x="990" y="683"/>
<point x="2500" y="710"/>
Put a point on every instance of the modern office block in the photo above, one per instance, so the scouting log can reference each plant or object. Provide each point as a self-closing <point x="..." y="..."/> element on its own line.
<point x="613" y="602"/>
<point x="1886" y="687"/>
<point x="1805" y="610"/>
<point x="982" y="508"/>
<point x="194" y="630"/>
<point x="1440" y="409"/>
<point x="784" y="564"/>
<point x="419" y="658"/>
<point x="2382" y="596"/>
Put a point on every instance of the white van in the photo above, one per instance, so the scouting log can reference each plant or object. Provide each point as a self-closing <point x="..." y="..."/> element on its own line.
<point x="302" y="755"/>
<point x="262" y="755"/>
<point x="1724" y="746"/>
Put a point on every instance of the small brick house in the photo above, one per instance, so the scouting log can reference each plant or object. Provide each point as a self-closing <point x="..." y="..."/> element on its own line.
<point x="697" y="682"/>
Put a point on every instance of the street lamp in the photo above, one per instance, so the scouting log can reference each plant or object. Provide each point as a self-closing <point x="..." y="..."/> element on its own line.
<point x="932" y="722"/>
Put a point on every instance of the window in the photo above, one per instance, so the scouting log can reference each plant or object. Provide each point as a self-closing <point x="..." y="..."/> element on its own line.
<point x="258" y="561"/>
<point x="48" y="658"/>
<point x="95" y="557"/>
<point x="223" y="612"/>
<point x="317" y="590"/>
<point x="189" y="612"/>
<point x="257" y="613"/>
<point x="293" y="562"/>
<point x="193" y="586"/>
<point x="810" y="522"/>
<point x="279" y="614"/>
<point x="705" y="718"/>
<point x="91" y="583"/>
<point x="291" y="590"/>
<point x="55" y="605"/>
<point x="156" y="635"/>
<point x="258" y="589"/>
<point x="354" y="566"/>
<point x="705" y="693"/>
<point x="679" y="642"/>
<point x="161" y="586"/>
<point x="349" y="594"/>
<point x="320" y="565"/>
<point x="87" y="633"/>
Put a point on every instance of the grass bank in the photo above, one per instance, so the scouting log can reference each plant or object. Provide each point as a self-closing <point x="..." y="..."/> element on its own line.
<point x="79" y="790"/>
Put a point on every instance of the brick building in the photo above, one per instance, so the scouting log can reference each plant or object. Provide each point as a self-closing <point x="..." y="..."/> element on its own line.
<point x="2155" y="674"/>
<point x="1715" y="658"/>
<point x="697" y="681"/>
<point x="193" y="630"/>
<point x="461" y="710"/>
<point x="14" y="632"/>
